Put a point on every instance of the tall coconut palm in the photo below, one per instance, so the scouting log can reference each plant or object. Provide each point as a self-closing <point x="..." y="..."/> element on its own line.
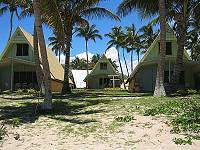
<point x="46" y="71"/>
<point x="183" y="13"/>
<point x="79" y="64"/>
<point x="149" y="8"/>
<point x="56" y="45"/>
<point x="88" y="33"/>
<point x="159" y="87"/>
<point x="147" y="35"/>
<point x="133" y="41"/>
<point x="10" y="6"/>
<point x="116" y="37"/>
<point x="75" y="13"/>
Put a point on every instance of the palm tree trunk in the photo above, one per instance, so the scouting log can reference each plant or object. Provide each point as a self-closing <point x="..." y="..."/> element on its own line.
<point x="131" y="60"/>
<point x="159" y="87"/>
<point x="125" y="63"/>
<point x="138" y="55"/>
<point x="11" y="24"/>
<point x="181" y="39"/>
<point x="66" y="87"/>
<point x="86" y="47"/>
<point x="37" y="59"/>
<point x="59" y="55"/>
<point x="120" y="64"/>
<point x="47" y="78"/>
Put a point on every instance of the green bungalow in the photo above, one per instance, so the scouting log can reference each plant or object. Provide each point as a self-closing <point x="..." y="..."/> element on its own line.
<point x="143" y="77"/>
<point x="103" y="75"/>
<point x="17" y="64"/>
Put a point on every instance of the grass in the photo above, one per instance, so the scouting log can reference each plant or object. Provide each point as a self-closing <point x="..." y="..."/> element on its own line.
<point x="96" y="111"/>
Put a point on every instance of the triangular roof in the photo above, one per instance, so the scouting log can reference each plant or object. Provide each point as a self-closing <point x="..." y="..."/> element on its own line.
<point x="56" y="70"/>
<point x="102" y="59"/>
<point x="173" y="37"/>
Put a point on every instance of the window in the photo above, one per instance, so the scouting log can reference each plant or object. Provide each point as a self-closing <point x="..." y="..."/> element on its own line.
<point x="103" y="66"/>
<point x="182" y="78"/>
<point x="25" y="77"/>
<point x="166" y="76"/>
<point x="168" y="48"/>
<point x="22" y="50"/>
<point x="101" y="81"/>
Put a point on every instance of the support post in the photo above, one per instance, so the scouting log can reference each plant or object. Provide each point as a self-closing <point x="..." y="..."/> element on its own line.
<point x="11" y="76"/>
<point x="113" y="82"/>
<point x="169" y="71"/>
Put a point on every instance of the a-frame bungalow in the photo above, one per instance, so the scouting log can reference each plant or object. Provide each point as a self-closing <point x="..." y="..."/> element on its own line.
<point x="143" y="77"/>
<point x="103" y="75"/>
<point x="17" y="64"/>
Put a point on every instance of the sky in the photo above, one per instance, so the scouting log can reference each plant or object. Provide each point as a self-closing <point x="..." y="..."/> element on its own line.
<point x="78" y="44"/>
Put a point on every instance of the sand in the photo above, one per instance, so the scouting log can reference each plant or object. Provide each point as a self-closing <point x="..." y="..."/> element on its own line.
<point x="149" y="133"/>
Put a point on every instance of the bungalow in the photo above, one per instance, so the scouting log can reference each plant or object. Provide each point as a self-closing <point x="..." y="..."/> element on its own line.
<point x="143" y="77"/>
<point x="17" y="64"/>
<point x="103" y="75"/>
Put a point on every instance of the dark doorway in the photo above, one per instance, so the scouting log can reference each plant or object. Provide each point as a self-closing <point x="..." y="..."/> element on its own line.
<point x="25" y="80"/>
<point x="197" y="82"/>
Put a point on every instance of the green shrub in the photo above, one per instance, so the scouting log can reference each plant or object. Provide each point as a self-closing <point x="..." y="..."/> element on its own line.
<point x="192" y="92"/>
<point x="180" y="141"/>
<point x="185" y="114"/>
<point x="16" y="122"/>
<point x="182" y="92"/>
<point x="31" y="91"/>
<point x="124" y="119"/>
<point x="19" y="91"/>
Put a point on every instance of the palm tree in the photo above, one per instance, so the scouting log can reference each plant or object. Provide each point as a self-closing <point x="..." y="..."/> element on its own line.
<point x="88" y="33"/>
<point x="147" y="35"/>
<point x="160" y="87"/>
<point x="75" y="13"/>
<point x="182" y="12"/>
<point x="124" y="45"/>
<point x="46" y="71"/>
<point x="149" y="8"/>
<point x="56" y="45"/>
<point x="116" y="38"/>
<point x="79" y="64"/>
<point x="133" y="42"/>
<point x="95" y="59"/>
<point x="12" y="7"/>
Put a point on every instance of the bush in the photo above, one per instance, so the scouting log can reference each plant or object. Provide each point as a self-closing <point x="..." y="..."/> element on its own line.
<point x="180" y="141"/>
<point x="19" y="91"/>
<point x="182" y="92"/>
<point x="185" y="92"/>
<point x="124" y="119"/>
<point x="26" y="91"/>
<point x="31" y="91"/>
<point x="191" y="91"/>
<point x="15" y="122"/>
<point x="186" y="114"/>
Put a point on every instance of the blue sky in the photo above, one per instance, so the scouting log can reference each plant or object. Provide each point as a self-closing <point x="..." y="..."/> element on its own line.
<point x="104" y="25"/>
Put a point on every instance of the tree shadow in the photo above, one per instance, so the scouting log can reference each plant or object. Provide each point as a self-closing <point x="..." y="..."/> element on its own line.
<point x="97" y="94"/>
<point x="73" y="120"/>
<point x="29" y="112"/>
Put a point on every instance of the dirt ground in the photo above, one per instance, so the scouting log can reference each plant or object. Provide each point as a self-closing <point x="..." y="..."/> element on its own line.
<point x="142" y="133"/>
<point x="89" y="123"/>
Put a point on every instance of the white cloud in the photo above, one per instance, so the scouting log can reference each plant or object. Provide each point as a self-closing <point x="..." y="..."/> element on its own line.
<point x="81" y="56"/>
<point x="112" y="53"/>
